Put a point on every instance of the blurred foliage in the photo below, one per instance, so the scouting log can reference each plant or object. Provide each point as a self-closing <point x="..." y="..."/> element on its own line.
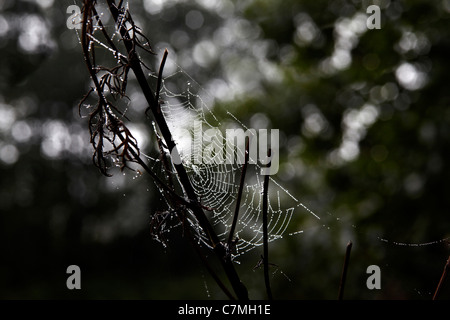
<point x="364" y="118"/>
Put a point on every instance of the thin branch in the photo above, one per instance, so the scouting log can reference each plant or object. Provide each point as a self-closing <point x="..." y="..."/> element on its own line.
<point x="239" y="195"/>
<point x="208" y="267"/>
<point x="218" y="247"/>
<point x="158" y="181"/>
<point x="265" y="234"/>
<point x="441" y="281"/>
<point x="108" y="39"/>
<point x="158" y="84"/>
<point x="160" y="74"/>
<point x="344" y="270"/>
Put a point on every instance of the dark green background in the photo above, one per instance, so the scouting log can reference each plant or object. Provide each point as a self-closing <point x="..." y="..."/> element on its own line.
<point x="57" y="209"/>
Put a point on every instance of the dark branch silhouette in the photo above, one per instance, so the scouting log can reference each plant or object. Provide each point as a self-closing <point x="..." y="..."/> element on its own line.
<point x="107" y="128"/>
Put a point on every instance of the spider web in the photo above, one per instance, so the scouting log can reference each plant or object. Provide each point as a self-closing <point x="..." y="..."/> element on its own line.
<point x="217" y="184"/>
<point x="185" y="104"/>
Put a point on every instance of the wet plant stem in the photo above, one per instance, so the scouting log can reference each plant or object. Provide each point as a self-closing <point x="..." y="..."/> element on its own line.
<point x="265" y="235"/>
<point x="344" y="270"/>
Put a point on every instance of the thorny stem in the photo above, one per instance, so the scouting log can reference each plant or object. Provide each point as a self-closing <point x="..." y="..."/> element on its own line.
<point x="265" y="234"/>
<point x="135" y="65"/>
<point x="441" y="281"/>
<point x="344" y="270"/>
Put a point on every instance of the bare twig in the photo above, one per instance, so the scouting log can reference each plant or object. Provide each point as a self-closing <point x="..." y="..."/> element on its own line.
<point x="239" y="196"/>
<point x="265" y="234"/>
<point x="443" y="277"/>
<point x="211" y="271"/>
<point x="160" y="75"/>
<point x="344" y="270"/>
<point x="207" y="264"/>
